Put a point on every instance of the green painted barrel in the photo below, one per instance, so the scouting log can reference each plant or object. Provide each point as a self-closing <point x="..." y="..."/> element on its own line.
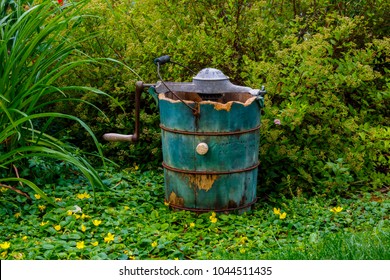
<point x="210" y="157"/>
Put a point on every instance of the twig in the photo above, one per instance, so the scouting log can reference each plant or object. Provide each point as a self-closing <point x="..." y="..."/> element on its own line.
<point x="17" y="174"/>
<point x="16" y="190"/>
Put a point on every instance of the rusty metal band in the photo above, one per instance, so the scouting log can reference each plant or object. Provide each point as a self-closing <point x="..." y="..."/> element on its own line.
<point x="166" y="166"/>
<point x="210" y="209"/>
<point x="209" y="133"/>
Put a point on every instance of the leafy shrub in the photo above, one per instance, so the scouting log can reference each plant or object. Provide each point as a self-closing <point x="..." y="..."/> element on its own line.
<point x="331" y="97"/>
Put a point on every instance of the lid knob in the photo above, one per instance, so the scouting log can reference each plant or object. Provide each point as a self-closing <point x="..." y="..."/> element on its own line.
<point x="210" y="74"/>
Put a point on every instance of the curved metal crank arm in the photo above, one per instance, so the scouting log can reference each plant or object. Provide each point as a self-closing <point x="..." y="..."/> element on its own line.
<point x="139" y="87"/>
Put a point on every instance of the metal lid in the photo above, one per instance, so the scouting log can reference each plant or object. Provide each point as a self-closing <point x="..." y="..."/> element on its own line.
<point x="207" y="81"/>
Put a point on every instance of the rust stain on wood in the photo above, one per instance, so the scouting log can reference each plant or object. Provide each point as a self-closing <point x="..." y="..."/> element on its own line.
<point x="190" y="98"/>
<point x="221" y="106"/>
<point x="228" y="105"/>
<point x="175" y="200"/>
<point x="202" y="182"/>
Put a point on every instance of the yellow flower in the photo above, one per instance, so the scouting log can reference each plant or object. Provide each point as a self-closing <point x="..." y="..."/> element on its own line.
<point x="57" y="227"/>
<point x="283" y="216"/>
<point x="243" y="239"/>
<point x="37" y="196"/>
<point x="43" y="223"/>
<point x="69" y="212"/>
<point x="24" y="238"/>
<point x="176" y="259"/>
<point x="110" y="237"/>
<point x="136" y="167"/>
<point x="213" y="218"/>
<point x="96" y="222"/>
<point x="77" y="216"/>
<point x="42" y="207"/>
<point x="83" y="216"/>
<point x="95" y="243"/>
<point x="337" y="209"/>
<point x="277" y="211"/>
<point x="192" y="224"/>
<point x="58" y="199"/>
<point x="3" y="189"/>
<point x="17" y="215"/>
<point x="154" y="244"/>
<point x="83" y="195"/>
<point x="5" y="245"/>
<point x="83" y="228"/>
<point x="80" y="245"/>
<point x="242" y="250"/>
<point x="132" y="258"/>
<point x="166" y="203"/>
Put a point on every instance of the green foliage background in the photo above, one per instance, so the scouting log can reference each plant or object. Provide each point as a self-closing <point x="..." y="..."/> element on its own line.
<point x="325" y="65"/>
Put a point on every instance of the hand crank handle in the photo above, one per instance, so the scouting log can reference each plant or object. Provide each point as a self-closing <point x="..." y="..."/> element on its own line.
<point x="116" y="137"/>
<point x="139" y="87"/>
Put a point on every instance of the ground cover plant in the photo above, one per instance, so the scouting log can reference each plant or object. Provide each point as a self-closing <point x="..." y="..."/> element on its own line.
<point x="132" y="222"/>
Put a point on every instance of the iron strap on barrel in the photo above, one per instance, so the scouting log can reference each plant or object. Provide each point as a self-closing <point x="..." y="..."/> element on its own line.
<point x="170" y="168"/>
<point x="203" y="210"/>
<point x="209" y="133"/>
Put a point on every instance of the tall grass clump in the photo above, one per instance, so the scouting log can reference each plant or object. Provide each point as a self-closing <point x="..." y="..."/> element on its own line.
<point x="36" y="50"/>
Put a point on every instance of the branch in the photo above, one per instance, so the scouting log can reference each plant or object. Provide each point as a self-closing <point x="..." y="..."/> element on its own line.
<point x="16" y="190"/>
<point x="17" y="174"/>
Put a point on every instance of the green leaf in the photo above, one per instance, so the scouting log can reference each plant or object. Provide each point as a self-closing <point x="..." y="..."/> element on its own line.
<point x="71" y="236"/>
<point x="48" y="246"/>
<point x="164" y="226"/>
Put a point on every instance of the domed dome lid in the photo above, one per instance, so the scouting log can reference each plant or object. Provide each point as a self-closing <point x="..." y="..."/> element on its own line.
<point x="210" y="74"/>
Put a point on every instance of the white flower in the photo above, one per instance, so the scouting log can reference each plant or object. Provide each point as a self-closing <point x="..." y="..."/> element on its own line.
<point x="77" y="209"/>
